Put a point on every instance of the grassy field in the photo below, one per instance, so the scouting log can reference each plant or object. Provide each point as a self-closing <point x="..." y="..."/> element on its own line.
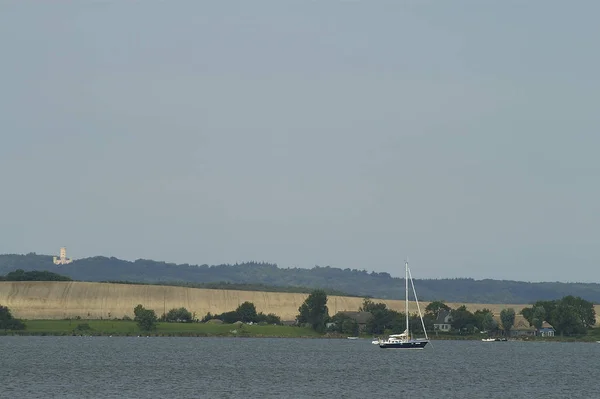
<point x="130" y="328"/>
<point x="121" y="327"/>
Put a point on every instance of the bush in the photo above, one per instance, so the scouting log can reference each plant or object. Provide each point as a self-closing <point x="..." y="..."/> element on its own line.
<point x="270" y="318"/>
<point x="8" y="322"/>
<point x="207" y="318"/>
<point x="181" y="315"/>
<point x="146" y="318"/>
<point x="83" y="327"/>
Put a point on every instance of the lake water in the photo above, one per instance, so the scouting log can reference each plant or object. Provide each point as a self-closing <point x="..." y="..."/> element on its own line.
<point x="131" y="367"/>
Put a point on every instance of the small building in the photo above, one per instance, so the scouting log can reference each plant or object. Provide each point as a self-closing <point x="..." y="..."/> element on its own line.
<point x="521" y="328"/>
<point x="62" y="259"/>
<point x="443" y="321"/>
<point x="546" y="330"/>
<point x="361" y="318"/>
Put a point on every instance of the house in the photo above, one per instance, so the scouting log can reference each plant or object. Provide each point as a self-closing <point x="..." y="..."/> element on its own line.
<point x="546" y="330"/>
<point x="443" y="320"/>
<point x="361" y="318"/>
<point x="521" y="328"/>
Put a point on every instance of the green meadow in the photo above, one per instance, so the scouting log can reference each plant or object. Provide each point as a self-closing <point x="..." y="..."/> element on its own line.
<point x="124" y="327"/>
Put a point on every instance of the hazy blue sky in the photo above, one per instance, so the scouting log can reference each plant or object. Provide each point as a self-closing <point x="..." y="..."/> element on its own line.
<point x="463" y="134"/>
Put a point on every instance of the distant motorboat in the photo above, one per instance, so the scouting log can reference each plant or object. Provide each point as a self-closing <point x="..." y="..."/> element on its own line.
<point x="352" y="337"/>
<point x="494" y="339"/>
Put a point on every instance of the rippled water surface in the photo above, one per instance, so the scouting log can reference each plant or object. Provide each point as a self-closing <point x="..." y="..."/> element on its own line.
<point x="131" y="367"/>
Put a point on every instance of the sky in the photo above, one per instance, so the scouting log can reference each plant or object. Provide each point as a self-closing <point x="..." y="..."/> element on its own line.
<point x="462" y="135"/>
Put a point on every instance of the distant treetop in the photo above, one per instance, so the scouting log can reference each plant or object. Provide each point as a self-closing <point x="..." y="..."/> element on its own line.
<point x="34" y="275"/>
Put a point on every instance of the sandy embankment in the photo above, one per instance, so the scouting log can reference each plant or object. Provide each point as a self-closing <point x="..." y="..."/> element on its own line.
<point x="60" y="300"/>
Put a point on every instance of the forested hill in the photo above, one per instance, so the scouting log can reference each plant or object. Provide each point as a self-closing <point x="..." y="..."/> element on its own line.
<point x="352" y="282"/>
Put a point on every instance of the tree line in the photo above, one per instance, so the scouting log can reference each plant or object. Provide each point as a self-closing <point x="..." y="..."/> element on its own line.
<point x="352" y="282"/>
<point x="568" y="316"/>
<point x="245" y="313"/>
<point x="34" y="275"/>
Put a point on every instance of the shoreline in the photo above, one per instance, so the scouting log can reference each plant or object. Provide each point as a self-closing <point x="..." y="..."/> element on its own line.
<point x="129" y="328"/>
<point x="180" y="335"/>
<point x="199" y="334"/>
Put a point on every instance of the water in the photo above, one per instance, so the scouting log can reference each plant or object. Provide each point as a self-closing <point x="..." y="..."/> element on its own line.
<point x="131" y="367"/>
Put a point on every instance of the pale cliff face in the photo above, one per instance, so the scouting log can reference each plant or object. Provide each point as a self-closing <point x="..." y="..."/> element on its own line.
<point x="60" y="300"/>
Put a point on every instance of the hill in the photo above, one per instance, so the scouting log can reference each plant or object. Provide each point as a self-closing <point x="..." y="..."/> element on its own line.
<point x="61" y="300"/>
<point x="351" y="282"/>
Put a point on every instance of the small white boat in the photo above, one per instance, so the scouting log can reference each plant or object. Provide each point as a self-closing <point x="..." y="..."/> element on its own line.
<point x="352" y="337"/>
<point x="376" y="341"/>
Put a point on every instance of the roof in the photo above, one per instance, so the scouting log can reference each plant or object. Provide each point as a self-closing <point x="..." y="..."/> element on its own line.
<point x="521" y="323"/>
<point x="546" y="325"/>
<point x="441" y="317"/>
<point x="359" y="317"/>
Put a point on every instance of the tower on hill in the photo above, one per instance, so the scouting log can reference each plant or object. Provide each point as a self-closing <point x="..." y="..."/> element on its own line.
<point x="62" y="259"/>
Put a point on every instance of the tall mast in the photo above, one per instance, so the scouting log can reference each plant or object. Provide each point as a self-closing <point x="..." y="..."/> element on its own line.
<point x="406" y="296"/>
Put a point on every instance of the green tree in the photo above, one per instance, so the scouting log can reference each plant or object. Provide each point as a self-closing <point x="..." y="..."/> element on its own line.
<point x="181" y="315"/>
<point x="370" y="306"/>
<point x="584" y="310"/>
<point x="146" y="318"/>
<point x="540" y="311"/>
<point x="463" y="320"/>
<point x="415" y="323"/>
<point x="382" y="318"/>
<point x="247" y="312"/>
<point x="228" y="317"/>
<point x="137" y="311"/>
<point x="528" y="314"/>
<point x="208" y="317"/>
<point x="565" y="321"/>
<point x="35" y="275"/>
<point x="344" y="324"/>
<point x="314" y="311"/>
<point x="8" y="322"/>
<point x="488" y="323"/>
<point x="569" y="315"/>
<point x="435" y="307"/>
<point x="484" y="320"/>
<point x="572" y="315"/>
<point x="507" y="317"/>
<point x="538" y="316"/>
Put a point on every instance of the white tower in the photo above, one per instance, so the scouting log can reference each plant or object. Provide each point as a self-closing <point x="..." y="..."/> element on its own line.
<point x="62" y="260"/>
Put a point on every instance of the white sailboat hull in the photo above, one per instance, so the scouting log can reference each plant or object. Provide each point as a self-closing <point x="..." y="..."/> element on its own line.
<point x="412" y="344"/>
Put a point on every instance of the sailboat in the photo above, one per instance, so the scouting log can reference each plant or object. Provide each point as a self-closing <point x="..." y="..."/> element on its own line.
<point x="405" y="340"/>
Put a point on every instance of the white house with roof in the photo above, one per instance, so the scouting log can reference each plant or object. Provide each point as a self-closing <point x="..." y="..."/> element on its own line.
<point x="443" y="321"/>
<point x="546" y="330"/>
